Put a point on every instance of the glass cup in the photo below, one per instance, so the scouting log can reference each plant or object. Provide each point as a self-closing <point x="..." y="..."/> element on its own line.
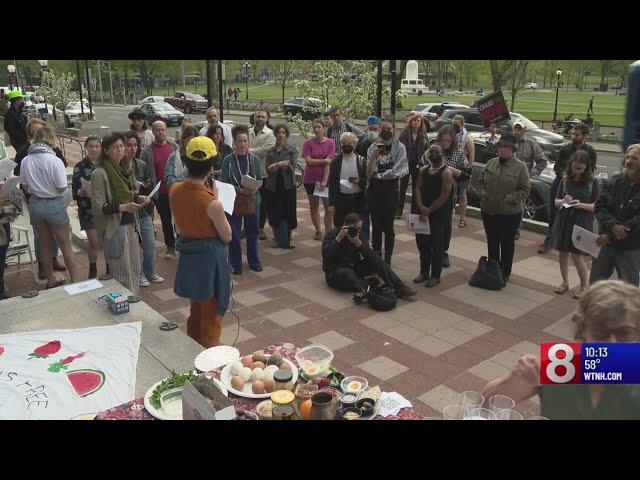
<point x="508" y="415"/>
<point x="432" y="418"/>
<point x="453" y="412"/>
<point x="501" y="402"/>
<point x="480" y="414"/>
<point x="538" y="417"/>
<point x="471" y="400"/>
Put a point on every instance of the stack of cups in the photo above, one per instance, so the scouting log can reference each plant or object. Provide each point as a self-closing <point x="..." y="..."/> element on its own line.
<point x="502" y="408"/>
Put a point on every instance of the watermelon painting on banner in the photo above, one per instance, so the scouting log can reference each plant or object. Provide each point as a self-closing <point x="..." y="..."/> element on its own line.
<point x="61" y="374"/>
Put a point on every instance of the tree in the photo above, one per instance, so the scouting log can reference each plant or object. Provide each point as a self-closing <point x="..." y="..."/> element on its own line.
<point x="148" y="70"/>
<point x="500" y="72"/>
<point x="285" y="70"/>
<point x="518" y="76"/>
<point x="606" y="68"/>
<point x="57" y="89"/>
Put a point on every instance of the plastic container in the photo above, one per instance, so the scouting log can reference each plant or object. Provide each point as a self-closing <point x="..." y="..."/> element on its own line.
<point x="355" y="385"/>
<point x="171" y="403"/>
<point x="314" y="360"/>
<point x="264" y="410"/>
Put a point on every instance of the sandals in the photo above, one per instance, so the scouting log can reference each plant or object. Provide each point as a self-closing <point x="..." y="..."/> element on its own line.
<point x="561" y="289"/>
<point x="318" y="236"/>
<point x="58" y="283"/>
<point x="168" y="326"/>
<point x="462" y="223"/>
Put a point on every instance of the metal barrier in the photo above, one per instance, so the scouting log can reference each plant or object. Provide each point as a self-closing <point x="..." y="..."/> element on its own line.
<point x="65" y="141"/>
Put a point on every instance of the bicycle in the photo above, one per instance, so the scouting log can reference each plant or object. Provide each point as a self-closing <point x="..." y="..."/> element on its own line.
<point x="298" y="174"/>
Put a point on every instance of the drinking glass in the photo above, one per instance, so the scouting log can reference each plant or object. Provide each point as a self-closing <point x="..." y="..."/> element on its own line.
<point x="453" y="412"/>
<point x="471" y="400"/>
<point x="538" y="417"/>
<point x="432" y="418"/>
<point x="481" y="414"/>
<point x="508" y="415"/>
<point x="501" y="402"/>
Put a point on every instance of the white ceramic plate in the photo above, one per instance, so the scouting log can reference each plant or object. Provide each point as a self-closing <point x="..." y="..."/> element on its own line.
<point x="216" y="357"/>
<point x="225" y="377"/>
<point x="12" y="404"/>
<point x="159" y="412"/>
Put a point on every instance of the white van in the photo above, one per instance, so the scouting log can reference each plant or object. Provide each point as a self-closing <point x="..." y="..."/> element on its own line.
<point x="414" y="87"/>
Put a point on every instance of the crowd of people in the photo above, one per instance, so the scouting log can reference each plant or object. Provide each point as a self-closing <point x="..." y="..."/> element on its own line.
<point x="360" y="178"/>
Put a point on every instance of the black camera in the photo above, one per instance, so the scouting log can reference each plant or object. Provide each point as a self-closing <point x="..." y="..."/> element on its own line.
<point x="353" y="231"/>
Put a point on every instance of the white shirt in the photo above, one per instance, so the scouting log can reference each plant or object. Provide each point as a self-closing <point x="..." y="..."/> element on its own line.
<point x="146" y="138"/>
<point x="260" y="143"/>
<point x="43" y="174"/>
<point x="349" y="170"/>
<point x="226" y="131"/>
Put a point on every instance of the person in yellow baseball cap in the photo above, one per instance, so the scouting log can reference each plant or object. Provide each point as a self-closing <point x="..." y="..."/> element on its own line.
<point x="203" y="234"/>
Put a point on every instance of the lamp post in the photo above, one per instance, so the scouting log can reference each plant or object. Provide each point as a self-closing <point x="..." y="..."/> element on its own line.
<point x="555" y="108"/>
<point x="43" y="65"/>
<point x="12" y="71"/>
<point x="246" y="67"/>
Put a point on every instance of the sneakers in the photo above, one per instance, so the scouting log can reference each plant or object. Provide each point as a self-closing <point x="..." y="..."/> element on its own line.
<point x="544" y="248"/>
<point x="156" y="278"/>
<point x="420" y="278"/>
<point x="446" y="263"/>
<point x="170" y="255"/>
<point x="144" y="282"/>
<point x="405" y="292"/>
<point x="432" y="282"/>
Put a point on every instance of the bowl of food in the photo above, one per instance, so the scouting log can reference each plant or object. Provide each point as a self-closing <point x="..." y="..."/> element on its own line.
<point x="354" y="384"/>
<point x="264" y="410"/>
<point x="314" y="360"/>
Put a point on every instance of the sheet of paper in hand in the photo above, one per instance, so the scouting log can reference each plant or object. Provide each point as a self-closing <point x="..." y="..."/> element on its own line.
<point x="416" y="225"/>
<point x="321" y="192"/>
<point x="10" y="185"/>
<point x="6" y="167"/>
<point x="226" y="195"/>
<point x="250" y="182"/>
<point x="585" y="240"/>
<point x="61" y="374"/>
<point x="155" y="189"/>
<point x="347" y="184"/>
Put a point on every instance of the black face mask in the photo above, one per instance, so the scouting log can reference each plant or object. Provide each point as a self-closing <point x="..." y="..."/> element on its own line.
<point x="347" y="149"/>
<point x="386" y="135"/>
<point x="435" y="159"/>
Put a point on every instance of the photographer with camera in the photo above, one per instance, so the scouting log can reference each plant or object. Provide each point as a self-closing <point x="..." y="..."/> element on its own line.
<point x="386" y="163"/>
<point x="347" y="260"/>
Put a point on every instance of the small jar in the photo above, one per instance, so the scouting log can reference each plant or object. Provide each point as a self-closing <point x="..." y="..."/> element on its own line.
<point x="282" y="405"/>
<point x="283" y="380"/>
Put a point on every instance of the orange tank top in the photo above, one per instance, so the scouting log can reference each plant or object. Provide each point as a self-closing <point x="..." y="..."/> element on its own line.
<point x="189" y="204"/>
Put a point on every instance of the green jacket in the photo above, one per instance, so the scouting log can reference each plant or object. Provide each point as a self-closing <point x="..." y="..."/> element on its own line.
<point x="504" y="188"/>
<point x="230" y="173"/>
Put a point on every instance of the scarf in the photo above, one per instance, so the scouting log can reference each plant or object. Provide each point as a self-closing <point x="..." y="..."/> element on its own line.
<point x="122" y="182"/>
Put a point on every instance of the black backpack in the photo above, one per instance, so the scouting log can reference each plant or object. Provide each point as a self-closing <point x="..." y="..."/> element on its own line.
<point x="379" y="297"/>
<point x="488" y="275"/>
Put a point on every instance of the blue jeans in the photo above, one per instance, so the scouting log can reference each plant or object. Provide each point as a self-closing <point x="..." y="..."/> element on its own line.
<point x="3" y="255"/>
<point x="626" y="263"/>
<point x="148" y="268"/>
<point x="235" y="247"/>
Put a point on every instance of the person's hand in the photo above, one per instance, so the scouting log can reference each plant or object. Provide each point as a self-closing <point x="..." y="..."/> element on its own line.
<point x="142" y="200"/>
<point x="527" y="368"/>
<point x="283" y="164"/>
<point x="603" y="240"/>
<point x="130" y="207"/>
<point x="321" y="185"/>
<point x="147" y="183"/>
<point x="355" y="180"/>
<point x="356" y="241"/>
<point x="342" y="233"/>
<point x="620" y="232"/>
<point x="332" y="210"/>
<point x="82" y="192"/>
<point x="568" y="199"/>
<point x="424" y="211"/>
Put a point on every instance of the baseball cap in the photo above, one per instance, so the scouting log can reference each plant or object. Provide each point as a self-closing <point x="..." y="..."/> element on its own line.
<point x="14" y="94"/>
<point x="201" y="144"/>
<point x="519" y="123"/>
<point x="373" y="120"/>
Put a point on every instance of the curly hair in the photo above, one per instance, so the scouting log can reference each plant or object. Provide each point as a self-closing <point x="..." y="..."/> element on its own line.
<point x="448" y="130"/>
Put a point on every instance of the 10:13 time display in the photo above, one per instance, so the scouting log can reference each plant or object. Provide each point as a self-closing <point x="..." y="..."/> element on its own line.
<point x="595" y="352"/>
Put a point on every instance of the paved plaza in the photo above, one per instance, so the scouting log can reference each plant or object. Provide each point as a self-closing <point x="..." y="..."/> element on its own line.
<point x="445" y="340"/>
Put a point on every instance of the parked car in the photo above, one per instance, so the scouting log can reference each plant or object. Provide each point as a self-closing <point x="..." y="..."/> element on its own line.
<point x="37" y="110"/>
<point x="532" y="85"/>
<point x="310" y="108"/>
<point x="549" y="141"/>
<point x="73" y="111"/>
<point x="162" y="111"/>
<point x="431" y="111"/>
<point x="153" y="99"/>
<point x="187" y="102"/>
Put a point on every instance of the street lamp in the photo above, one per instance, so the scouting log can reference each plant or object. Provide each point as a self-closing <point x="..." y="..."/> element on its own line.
<point x="555" y="109"/>
<point x="246" y="67"/>
<point x="43" y="65"/>
<point x="12" y="71"/>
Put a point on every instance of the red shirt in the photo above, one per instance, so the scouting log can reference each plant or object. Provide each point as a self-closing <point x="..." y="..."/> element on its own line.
<point x="160" y="155"/>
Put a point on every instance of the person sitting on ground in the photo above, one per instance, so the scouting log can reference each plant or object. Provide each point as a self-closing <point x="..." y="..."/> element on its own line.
<point x="608" y="312"/>
<point x="347" y="260"/>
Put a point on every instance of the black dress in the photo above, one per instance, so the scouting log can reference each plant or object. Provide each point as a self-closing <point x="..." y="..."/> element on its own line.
<point x="566" y="218"/>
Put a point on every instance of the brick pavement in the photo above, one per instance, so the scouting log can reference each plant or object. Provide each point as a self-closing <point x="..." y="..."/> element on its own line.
<point x="446" y="340"/>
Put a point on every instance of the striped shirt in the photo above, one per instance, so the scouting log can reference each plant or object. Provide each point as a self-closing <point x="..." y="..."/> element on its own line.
<point x="334" y="133"/>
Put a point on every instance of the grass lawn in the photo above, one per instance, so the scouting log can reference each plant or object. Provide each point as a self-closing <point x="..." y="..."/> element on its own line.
<point x="609" y="109"/>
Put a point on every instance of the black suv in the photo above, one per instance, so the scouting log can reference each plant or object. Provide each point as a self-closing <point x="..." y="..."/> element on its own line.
<point x="549" y="141"/>
<point x="308" y="108"/>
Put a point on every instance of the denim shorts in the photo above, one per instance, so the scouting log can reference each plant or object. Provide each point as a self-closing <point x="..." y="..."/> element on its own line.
<point x="48" y="211"/>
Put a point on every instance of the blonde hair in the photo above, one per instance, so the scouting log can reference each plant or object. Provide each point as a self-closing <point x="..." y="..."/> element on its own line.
<point x="606" y="302"/>
<point x="630" y="148"/>
<point x="46" y="135"/>
<point x="32" y="122"/>
<point x="350" y="135"/>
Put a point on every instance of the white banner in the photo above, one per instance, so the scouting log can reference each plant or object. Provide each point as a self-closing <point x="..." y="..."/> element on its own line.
<point x="61" y="374"/>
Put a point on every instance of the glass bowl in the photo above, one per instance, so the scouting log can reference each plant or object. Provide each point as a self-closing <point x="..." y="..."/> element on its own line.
<point x="354" y="384"/>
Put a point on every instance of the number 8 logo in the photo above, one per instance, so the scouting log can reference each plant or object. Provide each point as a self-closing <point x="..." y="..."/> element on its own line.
<point x="556" y="362"/>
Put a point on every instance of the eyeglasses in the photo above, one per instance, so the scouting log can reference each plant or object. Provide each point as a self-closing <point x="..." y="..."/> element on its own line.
<point x="622" y="334"/>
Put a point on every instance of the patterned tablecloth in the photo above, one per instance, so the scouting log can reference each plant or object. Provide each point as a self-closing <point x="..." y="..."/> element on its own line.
<point x="134" y="410"/>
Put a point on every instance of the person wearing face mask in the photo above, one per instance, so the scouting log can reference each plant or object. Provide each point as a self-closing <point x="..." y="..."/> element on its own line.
<point x="15" y="120"/>
<point x="608" y="312"/>
<point x="578" y="142"/>
<point x="434" y="200"/>
<point x="387" y="163"/>
<point x="370" y="136"/>
<point x="504" y="185"/>
<point x="467" y="144"/>
<point x="618" y="214"/>
<point x="348" y="184"/>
